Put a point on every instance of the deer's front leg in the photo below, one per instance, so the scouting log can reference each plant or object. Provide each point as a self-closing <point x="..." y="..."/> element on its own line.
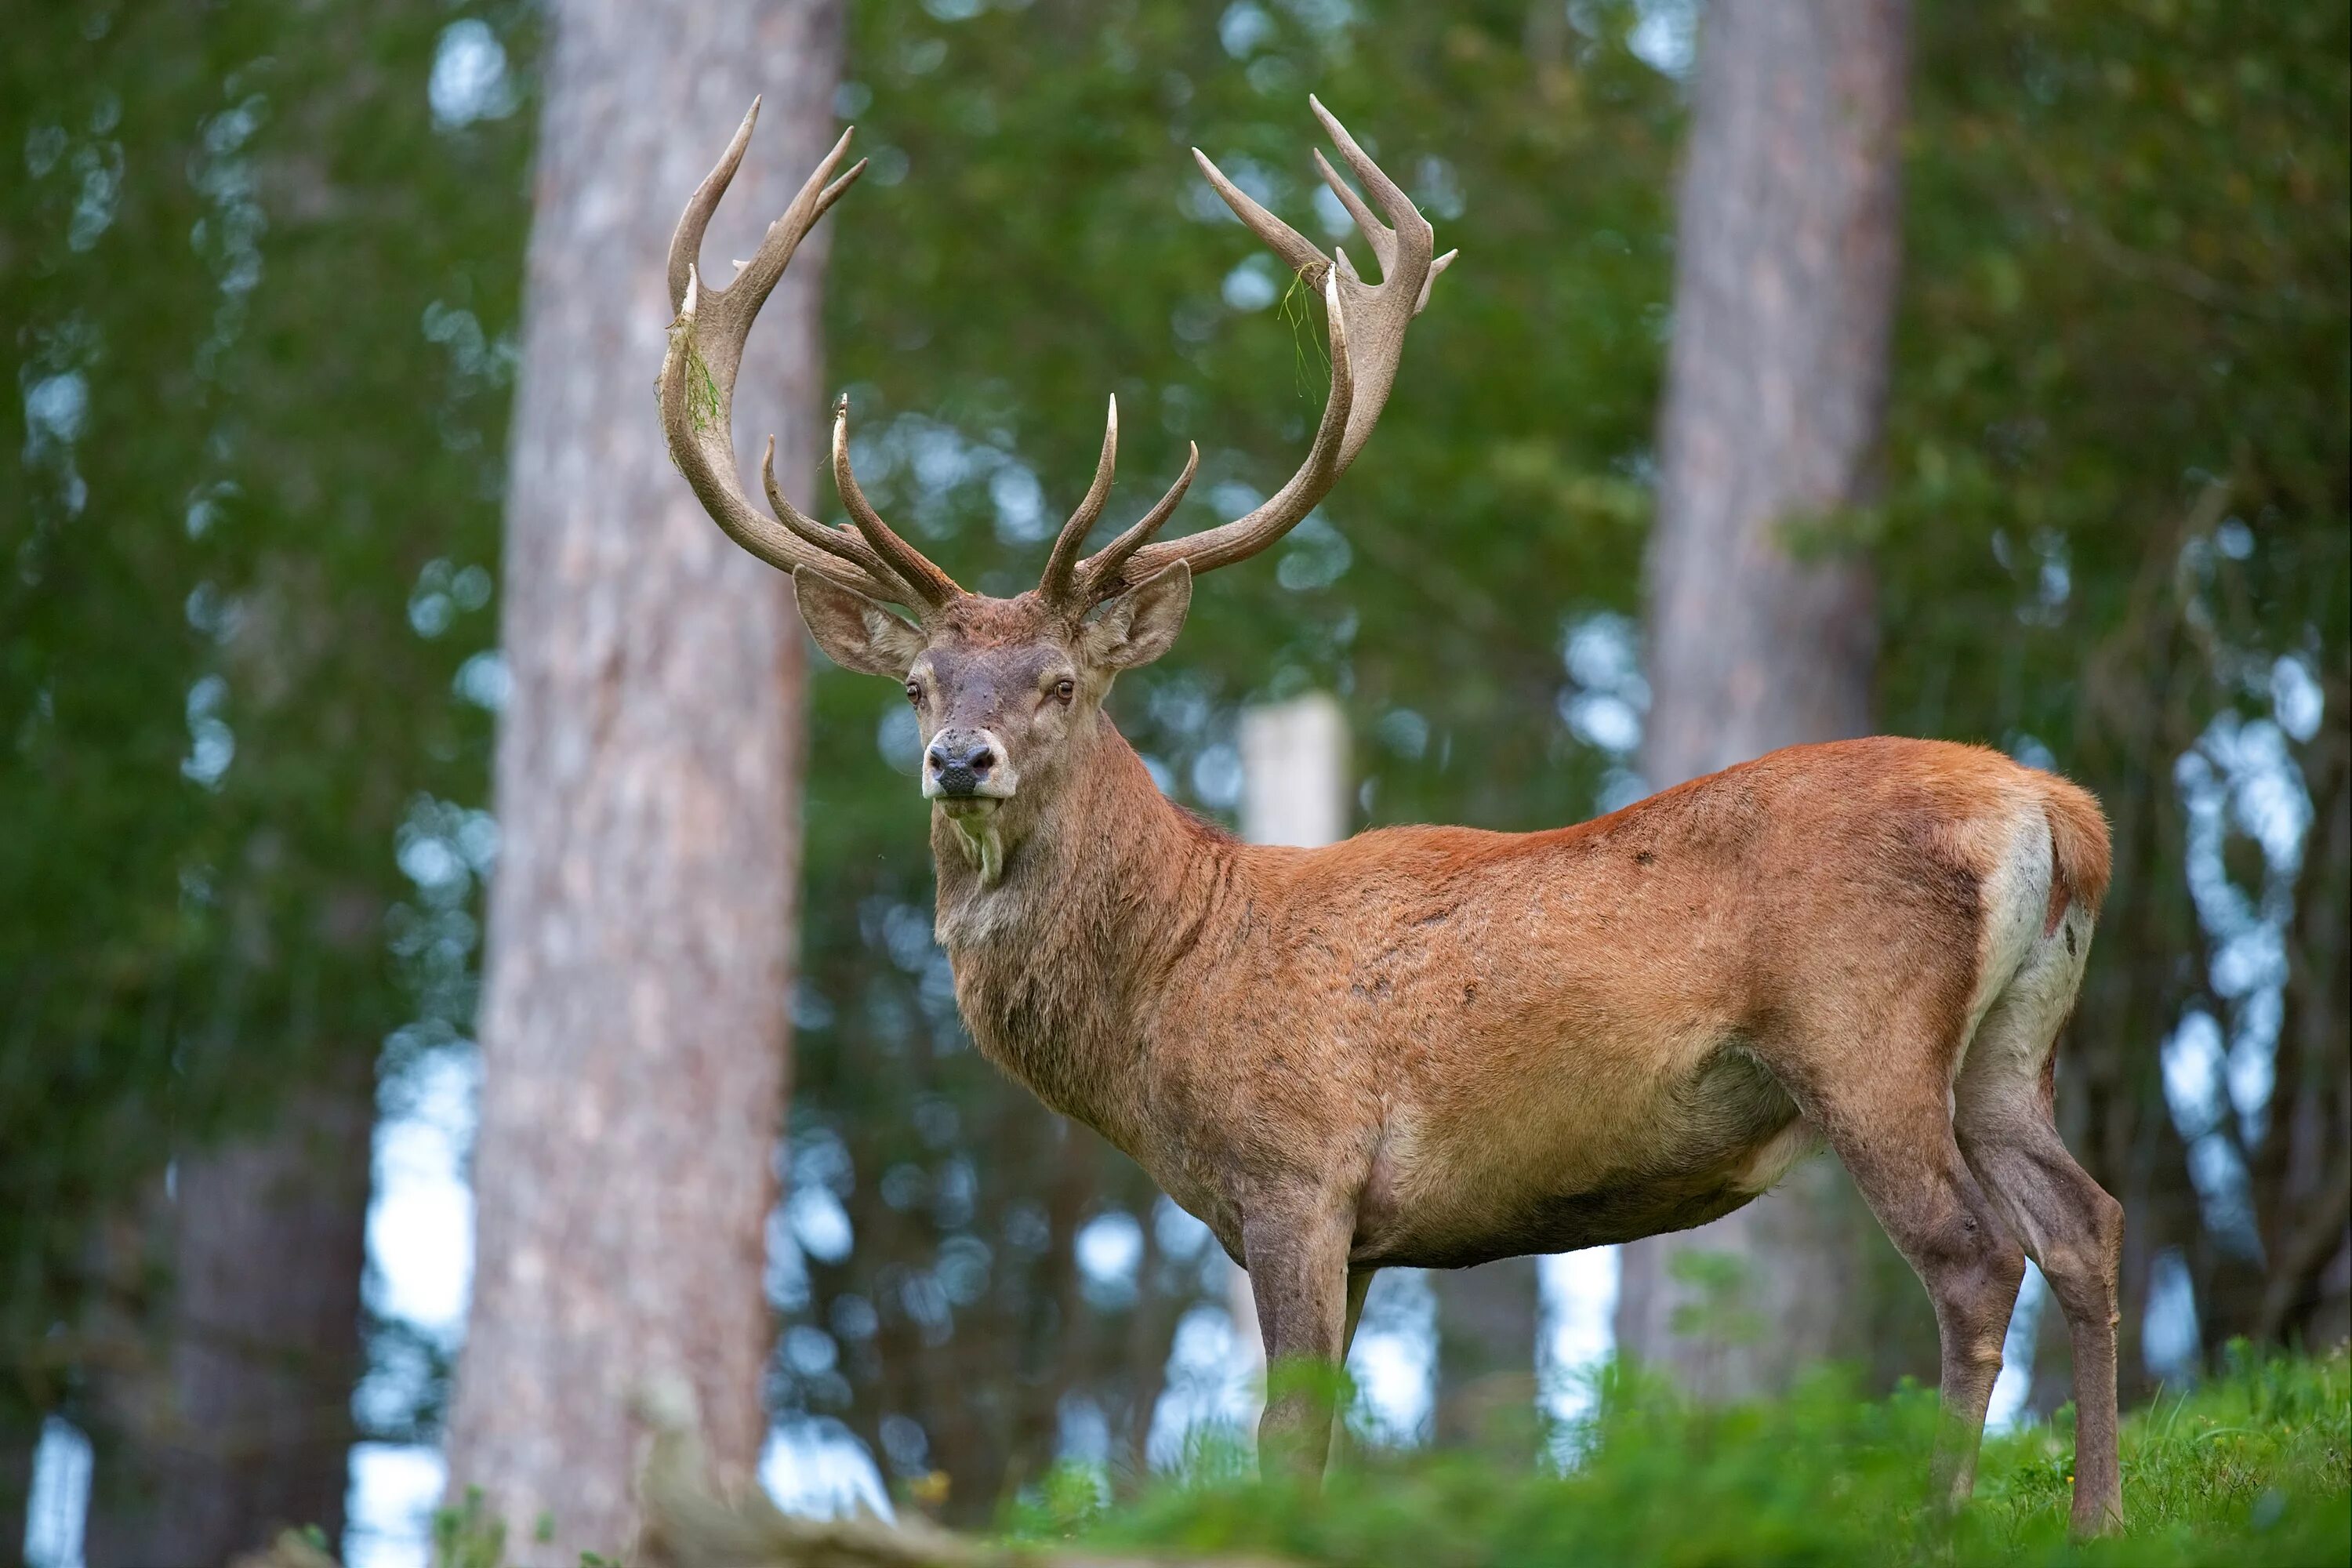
<point x="1298" y="1261"/>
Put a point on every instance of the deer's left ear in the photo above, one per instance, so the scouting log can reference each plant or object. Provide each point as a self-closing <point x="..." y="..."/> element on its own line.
<point x="1140" y="623"/>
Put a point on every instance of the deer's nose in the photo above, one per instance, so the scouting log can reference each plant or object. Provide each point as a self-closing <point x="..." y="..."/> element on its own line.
<point x="959" y="761"/>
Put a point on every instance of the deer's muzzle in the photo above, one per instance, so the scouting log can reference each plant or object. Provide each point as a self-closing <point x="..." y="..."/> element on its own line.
<point x="966" y="764"/>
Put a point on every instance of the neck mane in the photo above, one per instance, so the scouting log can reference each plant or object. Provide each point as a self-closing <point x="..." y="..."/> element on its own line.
<point x="1058" y="959"/>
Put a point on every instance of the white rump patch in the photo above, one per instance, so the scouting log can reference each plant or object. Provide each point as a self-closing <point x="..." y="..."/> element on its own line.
<point x="2014" y="902"/>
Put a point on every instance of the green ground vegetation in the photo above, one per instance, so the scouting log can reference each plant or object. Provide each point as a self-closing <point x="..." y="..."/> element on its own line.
<point x="2256" y="1466"/>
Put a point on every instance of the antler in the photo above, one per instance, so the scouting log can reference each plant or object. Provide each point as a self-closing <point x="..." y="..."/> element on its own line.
<point x="1368" y="323"/>
<point x="696" y="392"/>
<point x="1367" y="328"/>
<point x="1075" y="588"/>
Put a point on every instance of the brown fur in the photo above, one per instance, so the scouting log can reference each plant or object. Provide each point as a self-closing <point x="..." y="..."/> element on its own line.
<point x="1477" y="1038"/>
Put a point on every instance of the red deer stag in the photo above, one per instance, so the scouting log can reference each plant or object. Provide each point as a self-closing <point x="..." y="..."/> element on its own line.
<point x="1432" y="1047"/>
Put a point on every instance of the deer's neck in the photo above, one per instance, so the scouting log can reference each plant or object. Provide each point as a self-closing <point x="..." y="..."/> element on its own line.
<point x="1060" y="957"/>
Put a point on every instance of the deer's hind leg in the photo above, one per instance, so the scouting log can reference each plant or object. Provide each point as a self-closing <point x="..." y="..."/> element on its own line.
<point x="1886" y="1113"/>
<point x="2074" y="1229"/>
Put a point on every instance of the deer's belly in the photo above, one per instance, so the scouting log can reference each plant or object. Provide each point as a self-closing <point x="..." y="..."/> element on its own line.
<point x="1565" y="1164"/>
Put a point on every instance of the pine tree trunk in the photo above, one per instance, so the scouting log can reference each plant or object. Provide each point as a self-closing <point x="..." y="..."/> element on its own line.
<point x="240" y="1427"/>
<point x="1487" y="1323"/>
<point x="1788" y="254"/>
<point x="634" y="1022"/>
<point x="16" y="1492"/>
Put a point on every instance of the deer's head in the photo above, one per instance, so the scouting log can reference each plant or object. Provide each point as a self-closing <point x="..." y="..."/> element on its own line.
<point x="1008" y="691"/>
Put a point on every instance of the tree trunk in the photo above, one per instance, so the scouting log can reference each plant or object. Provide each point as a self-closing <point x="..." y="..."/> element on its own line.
<point x="16" y="1450"/>
<point x="1784" y="289"/>
<point x="635" y="1023"/>
<point x="1487" y="1321"/>
<point x="241" y="1425"/>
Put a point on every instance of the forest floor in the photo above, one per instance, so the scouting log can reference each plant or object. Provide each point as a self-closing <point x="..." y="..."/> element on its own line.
<point x="2253" y="1467"/>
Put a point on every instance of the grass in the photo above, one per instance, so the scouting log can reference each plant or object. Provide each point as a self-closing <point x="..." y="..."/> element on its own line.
<point x="2253" y="1467"/>
<point x="2256" y="1466"/>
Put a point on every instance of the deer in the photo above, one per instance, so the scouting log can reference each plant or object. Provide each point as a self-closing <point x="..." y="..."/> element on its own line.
<point x="1433" y="1046"/>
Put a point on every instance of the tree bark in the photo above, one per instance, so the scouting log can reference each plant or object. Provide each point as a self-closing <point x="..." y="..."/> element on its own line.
<point x="240" y="1426"/>
<point x="1789" y="228"/>
<point x="635" y="1028"/>
<point x="1486" y="1322"/>
<point x="16" y="1450"/>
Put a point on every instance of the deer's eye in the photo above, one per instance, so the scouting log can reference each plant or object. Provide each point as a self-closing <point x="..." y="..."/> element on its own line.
<point x="914" y="691"/>
<point x="1065" y="688"/>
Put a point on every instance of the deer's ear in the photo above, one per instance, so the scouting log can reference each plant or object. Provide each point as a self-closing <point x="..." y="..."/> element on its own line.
<point x="856" y="632"/>
<point x="1140" y="623"/>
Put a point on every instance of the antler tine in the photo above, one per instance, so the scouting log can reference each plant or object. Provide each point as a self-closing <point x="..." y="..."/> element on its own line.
<point x="1297" y="250"/>
<point x="1421" y="303"/>
<point x="1103" y="575"/>
<point x="1383" y="237"/>
<point x="815" y="199"/>
<point x="686" y="242"/>
<point x="1280" y="512"/>
<point x="934" y="587"/>
<point x="838" y="542"/>
<point x="696" y="387"/>
<point x="1055" y="586"/>
<point x="1385" y="191"/>
<point x="1379" y="314"/>
<point x="1367" y="323"/>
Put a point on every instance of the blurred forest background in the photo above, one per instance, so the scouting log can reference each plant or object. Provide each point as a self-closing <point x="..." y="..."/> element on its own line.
<point x="262" y="273"/>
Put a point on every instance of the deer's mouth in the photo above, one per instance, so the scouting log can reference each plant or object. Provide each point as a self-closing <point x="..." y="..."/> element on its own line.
<point x="964" y="792"/>
<point x="973" y="818"/>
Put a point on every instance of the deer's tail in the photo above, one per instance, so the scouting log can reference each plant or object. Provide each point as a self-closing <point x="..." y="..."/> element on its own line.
<point x="2080" y="856"/>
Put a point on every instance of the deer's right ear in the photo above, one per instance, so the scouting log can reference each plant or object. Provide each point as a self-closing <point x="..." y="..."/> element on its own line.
<point x="856" y="632"/>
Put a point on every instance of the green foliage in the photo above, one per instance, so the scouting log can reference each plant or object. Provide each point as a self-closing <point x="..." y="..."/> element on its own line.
<point x="2256" y="1466"/>
<point x="2118" y="526"/>
<point x="469" y="1534"/>
<point x="2262" y="1450"/>
<point x="2124" y="292"/>
<point x="254" y="300"/>
<point x="1716" y="1309"/>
